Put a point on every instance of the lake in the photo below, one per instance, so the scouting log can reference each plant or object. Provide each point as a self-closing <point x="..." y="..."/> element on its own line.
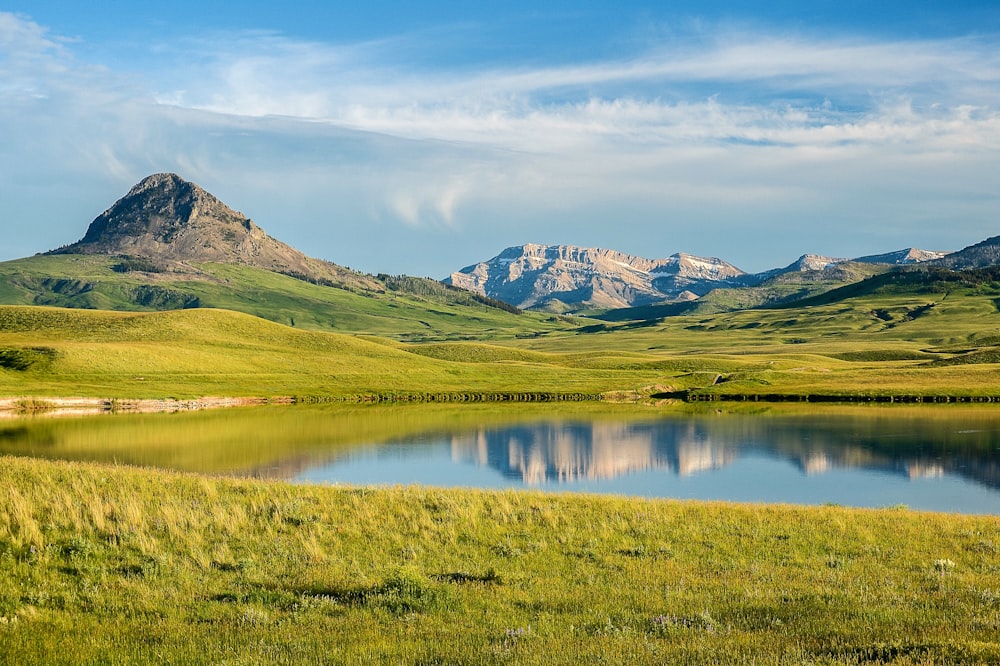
<point x="941" y="458"/>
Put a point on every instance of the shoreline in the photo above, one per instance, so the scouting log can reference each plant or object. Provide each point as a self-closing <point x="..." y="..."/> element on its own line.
<point x="19" y="407"/>
<point x="13" y="407"/>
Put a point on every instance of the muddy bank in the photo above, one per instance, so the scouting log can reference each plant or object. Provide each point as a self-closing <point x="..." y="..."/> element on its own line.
<point x="26" y="405"/>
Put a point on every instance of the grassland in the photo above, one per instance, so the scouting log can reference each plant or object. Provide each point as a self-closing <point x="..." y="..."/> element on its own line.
<point x="935" y="345"/>
<point x="115" y="565"/>
<point x="104" y="564"/>
<point x="191" y="353"/>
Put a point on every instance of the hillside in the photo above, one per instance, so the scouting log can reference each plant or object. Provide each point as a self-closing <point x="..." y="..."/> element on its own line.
<point x="781" y="287"/>
<point x="168" y="244"/>
<point x="403" y="308"/>
<point x="200" y="352"/>
<point x="931" y="280"/>
<point x="982" y="254"/>
<point x="171" y="222"/>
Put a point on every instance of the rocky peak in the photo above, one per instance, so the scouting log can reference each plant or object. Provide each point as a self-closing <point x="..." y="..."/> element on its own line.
<point x="813" y="262"/>
<point x="910" y="255"/>
<point x="567" y="277"/>
<point x="173" y="222"/>
<point x="168" y="218"/>
<point x="689" y="266"/>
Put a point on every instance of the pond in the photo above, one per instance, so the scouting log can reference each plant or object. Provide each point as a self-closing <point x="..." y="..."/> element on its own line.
<point x="942" y="458"/>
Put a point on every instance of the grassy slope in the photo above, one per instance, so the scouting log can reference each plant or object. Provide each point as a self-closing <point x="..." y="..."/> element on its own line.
<point x="190" y="353"/>
<point x="89" y="282"/>
<point x="937" y="344"/>
<point x="99" y="564"/>
<point x="895" y="342"/>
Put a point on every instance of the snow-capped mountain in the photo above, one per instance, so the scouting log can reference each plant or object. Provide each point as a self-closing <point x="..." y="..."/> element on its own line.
<point x="910" y="255"/>
<point x="570" y="278"/>
<point x="567" y="277"/>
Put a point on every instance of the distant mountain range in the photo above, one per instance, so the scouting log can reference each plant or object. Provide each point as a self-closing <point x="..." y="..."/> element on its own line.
<point x="543" y="276"/>
<point x="170" y="244"/>
<point x="565" y="278"/>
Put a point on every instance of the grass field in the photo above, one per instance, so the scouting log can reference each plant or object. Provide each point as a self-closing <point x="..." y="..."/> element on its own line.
<point x="114" y="565"/>
<point x="914" y="345"/>
<point x="108" y="564"/>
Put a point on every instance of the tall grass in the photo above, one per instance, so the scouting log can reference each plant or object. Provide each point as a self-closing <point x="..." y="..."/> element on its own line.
<point x="116" y="565"/>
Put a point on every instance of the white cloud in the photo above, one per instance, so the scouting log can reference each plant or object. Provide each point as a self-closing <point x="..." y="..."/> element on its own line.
<point x="798" y="140"/>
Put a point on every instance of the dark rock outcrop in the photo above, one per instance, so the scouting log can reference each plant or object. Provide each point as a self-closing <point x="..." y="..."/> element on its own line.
<point x="173" y="222"/>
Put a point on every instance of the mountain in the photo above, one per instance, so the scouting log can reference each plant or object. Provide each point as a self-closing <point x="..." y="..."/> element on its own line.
<point x="568" y="279"/>
<point x="565" y="277"/>
<point x="172" y="223"/>
<point x="811" y="262"/>
<point x="907" y="257"/>
<point x="980" y="255"/>
<point x="168" y="244"/>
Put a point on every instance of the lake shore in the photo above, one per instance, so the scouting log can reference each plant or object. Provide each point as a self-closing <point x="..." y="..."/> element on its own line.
<point x="17" y="407"/>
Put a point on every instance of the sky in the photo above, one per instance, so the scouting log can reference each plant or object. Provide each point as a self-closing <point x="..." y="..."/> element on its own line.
<point x="419" y="138"/>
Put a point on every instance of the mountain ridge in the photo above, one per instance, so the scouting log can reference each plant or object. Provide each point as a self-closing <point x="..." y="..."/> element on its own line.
<point x="166" y="231"/>
<point x="528" y="276"/>
<point x="571" y="278"/>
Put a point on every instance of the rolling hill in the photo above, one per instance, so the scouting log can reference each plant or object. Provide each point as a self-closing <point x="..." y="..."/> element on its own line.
<point x="168" y="244"/>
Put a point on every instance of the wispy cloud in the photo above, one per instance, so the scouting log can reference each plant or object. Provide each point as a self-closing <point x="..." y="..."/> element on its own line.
<point x="810" y="139"/>
<point x="731" y="88"/>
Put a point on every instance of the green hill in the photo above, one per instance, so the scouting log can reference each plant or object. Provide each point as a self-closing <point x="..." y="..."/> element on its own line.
<point x="203" y="352"/>
<point x="915" y="281"/>
<point x="402" y="308"/>
<point x="170" y="245"/>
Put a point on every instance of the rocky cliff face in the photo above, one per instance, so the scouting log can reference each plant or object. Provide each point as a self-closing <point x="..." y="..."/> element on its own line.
<point x="173" y="222"/>
<point x="563" y="277"/>
<point x="567" y="278"/>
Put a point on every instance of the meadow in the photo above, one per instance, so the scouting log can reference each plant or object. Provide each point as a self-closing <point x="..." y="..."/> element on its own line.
<point x="105" y="564"/>
<point x="872" y="347"/>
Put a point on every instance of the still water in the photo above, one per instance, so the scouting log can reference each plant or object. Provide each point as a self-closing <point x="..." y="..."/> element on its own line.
<point x="931" y="458"/>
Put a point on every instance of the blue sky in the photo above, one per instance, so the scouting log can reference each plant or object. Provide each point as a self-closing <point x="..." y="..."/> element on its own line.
<point x="422" y="137"/>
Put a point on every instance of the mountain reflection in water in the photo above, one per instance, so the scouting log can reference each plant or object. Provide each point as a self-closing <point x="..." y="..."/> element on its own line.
<point x="560" y="453"/>
<point x="935" y="458"/>
<point x="548" y="452"/>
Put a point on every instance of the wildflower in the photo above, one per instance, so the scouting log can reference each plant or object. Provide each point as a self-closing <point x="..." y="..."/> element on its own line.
<point x="520" y="632"/>
<point x="944" y="566"/>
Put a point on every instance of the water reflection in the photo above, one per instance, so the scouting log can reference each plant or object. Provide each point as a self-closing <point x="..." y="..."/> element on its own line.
<point x="555" y="452"/>
<point x="935" y="458"/>
<point x="546" y="453"/>
<point x="930" y="461"/>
